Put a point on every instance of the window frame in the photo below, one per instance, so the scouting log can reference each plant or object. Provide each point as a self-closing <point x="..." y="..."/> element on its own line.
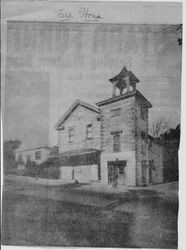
<point x="143" y="146"/>
<point x="89" y="132"/>
<point x="116" y="145"/>
<point x="71" y="136"/>
<point x="36" y="155"/>
<point x="121" y="169"/>
<point x="143" y="149"/>
<point x="115" y="112"/>
<point x="143" y="114"/>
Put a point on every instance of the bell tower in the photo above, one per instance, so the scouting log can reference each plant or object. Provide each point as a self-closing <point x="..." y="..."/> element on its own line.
<point x="124" y="133"/>
<point x="123" y="80"/>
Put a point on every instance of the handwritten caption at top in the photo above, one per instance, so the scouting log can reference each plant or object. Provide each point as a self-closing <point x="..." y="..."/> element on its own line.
<point x="84" y="13"/>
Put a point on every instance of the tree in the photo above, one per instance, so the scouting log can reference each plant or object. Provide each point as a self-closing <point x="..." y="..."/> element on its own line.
<point x="172" y="135"/>
<point x="176" y="29"/>
<point x="32" y="168"/>
<point x="159" y="127"/>
<point x="8" y="154"/>
<point x="179" y="28"/>
<point x="170" y="141"/>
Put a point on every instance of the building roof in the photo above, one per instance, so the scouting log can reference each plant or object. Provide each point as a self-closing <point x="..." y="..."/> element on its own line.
<point x="29" y="149"/>
<point x="82" y="157"/>
<point x="79" y="152"/>
<point x="125" y="96"/>
<point x="71" y="110"/>
<point x="119" y="78"/>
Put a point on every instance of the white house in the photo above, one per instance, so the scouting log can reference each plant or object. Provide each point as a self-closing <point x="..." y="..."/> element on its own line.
<point x="38" y="155"/>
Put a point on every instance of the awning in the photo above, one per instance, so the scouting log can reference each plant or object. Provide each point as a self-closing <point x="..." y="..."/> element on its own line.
<point x="79" y="157"/>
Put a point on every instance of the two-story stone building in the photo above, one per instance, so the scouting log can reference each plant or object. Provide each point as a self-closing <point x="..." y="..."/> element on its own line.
<point x="107" y="141"/>
<point x="79" y="142"/>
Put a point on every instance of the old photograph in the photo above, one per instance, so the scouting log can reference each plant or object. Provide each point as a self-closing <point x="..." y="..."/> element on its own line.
<point x="91" y="117"/>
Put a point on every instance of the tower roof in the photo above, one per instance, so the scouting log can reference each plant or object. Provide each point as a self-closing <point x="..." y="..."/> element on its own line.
<point x="123" y="74"/>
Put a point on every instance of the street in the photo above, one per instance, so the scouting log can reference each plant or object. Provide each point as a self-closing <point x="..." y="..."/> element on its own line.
<point x="38" y="215"/>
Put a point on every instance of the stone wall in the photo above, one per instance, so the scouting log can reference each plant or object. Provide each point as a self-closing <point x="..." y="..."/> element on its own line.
<point x="141" y="142"/>
<point x="125" y="124"/>
<point x="80" y="173"/>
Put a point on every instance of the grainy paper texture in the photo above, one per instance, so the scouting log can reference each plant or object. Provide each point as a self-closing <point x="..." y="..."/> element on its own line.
<point x="91" y="95"/>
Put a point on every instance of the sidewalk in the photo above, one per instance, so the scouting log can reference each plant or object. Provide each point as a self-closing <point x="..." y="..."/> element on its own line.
<point x="94" y="186"/>
<point x="103" y="188"/>
<point x="32" y="180"/>
<point x="56" y="190"/>
<point x="164" y="190"/>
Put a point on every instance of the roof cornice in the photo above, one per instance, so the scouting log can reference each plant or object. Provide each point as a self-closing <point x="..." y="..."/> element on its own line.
<point x="123" y="97"/>
<point x="71" y="110"/>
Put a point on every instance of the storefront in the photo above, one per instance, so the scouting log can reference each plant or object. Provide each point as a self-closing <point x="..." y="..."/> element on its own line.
<point x="80" y="165"/>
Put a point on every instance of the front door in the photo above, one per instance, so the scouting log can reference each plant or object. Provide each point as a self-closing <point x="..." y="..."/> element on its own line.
<point x="121" y="174"/>
<point x="72" y="174"/>
<point x="111" y="172"/>
<point x="116" y="169"/>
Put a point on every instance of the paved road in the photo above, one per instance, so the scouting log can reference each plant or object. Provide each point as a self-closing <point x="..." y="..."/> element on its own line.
<point x="41" y="215"/>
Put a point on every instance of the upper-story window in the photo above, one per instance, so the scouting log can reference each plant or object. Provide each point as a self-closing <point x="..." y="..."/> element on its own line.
<point x="89" y="131"/>
<point x="144" y="138"/>
<point x="115" y="112"/>
<point x="116" y="142"/>
<point x="71" y="133"/>
<point x="143" y="113"/>
<point x="143" y="147"/>
<point x="38" y="155"/>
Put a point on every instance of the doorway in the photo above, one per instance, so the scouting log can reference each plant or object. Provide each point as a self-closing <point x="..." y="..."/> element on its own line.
<point x="117" y="169"/>
<point x="72" y="174"/>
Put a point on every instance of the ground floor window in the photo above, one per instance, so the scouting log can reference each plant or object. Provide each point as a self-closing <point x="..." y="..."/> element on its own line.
<point x="38" y="155"/>
<point x="116" y="142"/>
<point x="151" y="168"/>
<point x="99" y="172"/>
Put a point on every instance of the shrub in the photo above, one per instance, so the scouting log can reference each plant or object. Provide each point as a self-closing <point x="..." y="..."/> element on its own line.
<point x="31" y="169"/>
<point x="49" y="169"/>
<point x="51" y="172"/>
<point x="9" y="163"/>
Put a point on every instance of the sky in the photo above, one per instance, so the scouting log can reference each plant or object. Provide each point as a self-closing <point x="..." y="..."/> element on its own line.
<point x="51" y="64"/>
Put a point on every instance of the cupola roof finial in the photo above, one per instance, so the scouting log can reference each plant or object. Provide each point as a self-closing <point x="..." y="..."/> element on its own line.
<point x="123" y="80"/>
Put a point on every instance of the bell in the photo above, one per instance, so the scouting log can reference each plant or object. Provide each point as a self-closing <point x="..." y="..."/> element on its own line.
<point x="123" y="80"/>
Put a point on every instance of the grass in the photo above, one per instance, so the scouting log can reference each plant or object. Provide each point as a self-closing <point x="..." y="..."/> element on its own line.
<point x="45" y="222"/>
<point x="38" y="221"/>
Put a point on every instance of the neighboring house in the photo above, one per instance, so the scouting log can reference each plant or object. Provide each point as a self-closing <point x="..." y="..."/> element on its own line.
<point x="38" y="155"/>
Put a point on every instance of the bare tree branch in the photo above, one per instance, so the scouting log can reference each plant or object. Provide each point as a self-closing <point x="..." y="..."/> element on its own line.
<point x="159" y="127"/>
